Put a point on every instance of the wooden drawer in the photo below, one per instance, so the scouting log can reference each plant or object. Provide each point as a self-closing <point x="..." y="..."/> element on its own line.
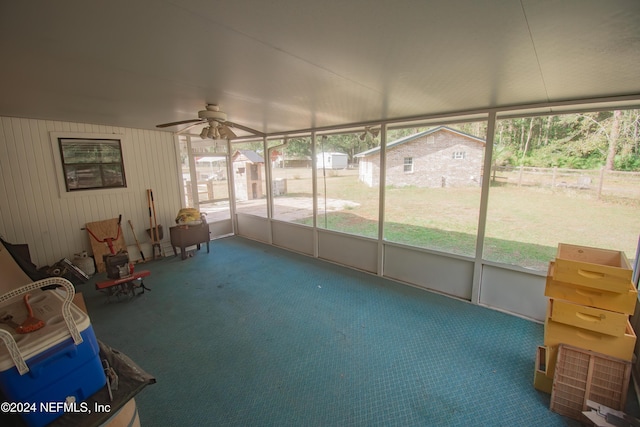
<point x="593" y="268"/>
<point x="621" y="302"/>
<point x="556" y="333"/>
<point x="590" y="318"/>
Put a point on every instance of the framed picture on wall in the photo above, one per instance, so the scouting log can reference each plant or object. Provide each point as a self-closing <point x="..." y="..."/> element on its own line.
<point x="87" y="162"/>
<point x="90" y="164"/>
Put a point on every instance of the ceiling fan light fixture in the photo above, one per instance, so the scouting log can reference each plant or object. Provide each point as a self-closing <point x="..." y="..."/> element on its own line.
<point x="211" y="132"/>
<point x="215" y="122"/>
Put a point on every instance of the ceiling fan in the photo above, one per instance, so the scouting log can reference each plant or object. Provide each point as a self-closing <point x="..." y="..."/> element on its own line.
<point x="218" y="126"/>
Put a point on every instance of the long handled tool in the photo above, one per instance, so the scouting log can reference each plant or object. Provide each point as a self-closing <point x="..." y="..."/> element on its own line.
<point x="153" y="229"/>
<point x="155" y="220"/>
<point x="137" y="243"/>
<point x="151" y="234"/>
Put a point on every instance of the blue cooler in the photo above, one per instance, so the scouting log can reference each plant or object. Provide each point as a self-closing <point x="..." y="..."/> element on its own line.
<point x="48" y="372"/>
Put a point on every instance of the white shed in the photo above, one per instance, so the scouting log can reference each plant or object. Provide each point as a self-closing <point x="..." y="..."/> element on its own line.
<point x="332" y="161"/>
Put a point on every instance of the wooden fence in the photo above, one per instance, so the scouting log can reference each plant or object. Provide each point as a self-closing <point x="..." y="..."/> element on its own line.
<point x="598" y="182"/>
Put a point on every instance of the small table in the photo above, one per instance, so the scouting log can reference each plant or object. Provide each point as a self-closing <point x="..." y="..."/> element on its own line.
<point x="124" y="285"/>
<point x="183" y="236"/>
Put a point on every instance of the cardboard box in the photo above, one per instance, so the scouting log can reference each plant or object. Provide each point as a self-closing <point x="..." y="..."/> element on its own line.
<point x="78" y="300"/>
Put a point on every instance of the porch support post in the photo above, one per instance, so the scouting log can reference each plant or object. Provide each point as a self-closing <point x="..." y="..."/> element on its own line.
<point x="484" y="201"/>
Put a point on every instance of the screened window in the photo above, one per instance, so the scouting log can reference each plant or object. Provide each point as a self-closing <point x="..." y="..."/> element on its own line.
<point x="408" y="164"/>
<point x="436" y="206"/>
<point x="205" y="176"/>
<point x="292" y="180"/>
<point x="459" y="155"/>
<point x="566" y="178"/>
<point x="248" y="166"/>
<point x="348" y="195"/>
<point x="90" y="164"/>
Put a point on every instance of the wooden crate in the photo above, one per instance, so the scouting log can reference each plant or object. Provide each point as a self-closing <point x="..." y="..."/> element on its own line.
<point x="558" y="333"/>
<point x="590" y="318"/>
<point x="624" y="302"/>
<point x="583" y="375"/>
<point x="541" y="381"/>
<point x="595" y="268"/>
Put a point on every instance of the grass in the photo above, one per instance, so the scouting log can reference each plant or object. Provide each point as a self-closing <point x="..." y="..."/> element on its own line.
<point x="528" y="255"/>
<point x="524" y="224"/>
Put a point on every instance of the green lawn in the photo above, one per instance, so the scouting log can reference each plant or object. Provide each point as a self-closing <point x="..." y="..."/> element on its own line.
<point x="524" y="224"/>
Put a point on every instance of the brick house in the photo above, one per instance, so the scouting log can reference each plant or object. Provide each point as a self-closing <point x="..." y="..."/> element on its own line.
<point x="439" y="157"/>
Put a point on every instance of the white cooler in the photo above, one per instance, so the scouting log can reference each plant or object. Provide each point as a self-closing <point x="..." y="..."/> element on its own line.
<point x="57" y="363"/>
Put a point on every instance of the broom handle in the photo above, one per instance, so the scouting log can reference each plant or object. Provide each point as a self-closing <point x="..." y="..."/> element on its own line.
<point x="155" y="221"/>
<point x="151" y="230"/>
<point x="136" y="239"/>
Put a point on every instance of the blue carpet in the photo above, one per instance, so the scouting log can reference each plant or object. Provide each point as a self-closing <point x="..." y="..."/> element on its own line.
<point x="254" y="335"/>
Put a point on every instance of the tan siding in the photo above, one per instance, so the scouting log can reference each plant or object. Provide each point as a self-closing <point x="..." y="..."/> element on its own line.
<point x="32" y="212"/>
<point x="433" y="163"/>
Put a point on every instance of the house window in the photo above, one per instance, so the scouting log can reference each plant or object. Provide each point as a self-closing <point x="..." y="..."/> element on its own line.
<point x="408" y="164"/>
<point x="90" y="164"/>
<point x="458" y="155"/>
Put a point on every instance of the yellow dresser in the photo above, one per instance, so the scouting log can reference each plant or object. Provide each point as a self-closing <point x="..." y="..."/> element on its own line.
<point x="623" y="302"/>
<point x="593" y="268"/>
<point x="556" y="333"/>
<point x="591" y="296"/>
<point x="589" y="318"/>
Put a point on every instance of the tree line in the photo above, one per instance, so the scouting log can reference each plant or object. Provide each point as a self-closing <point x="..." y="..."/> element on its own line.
<point x="591" y="140"/>
<point x="609" y="139"/>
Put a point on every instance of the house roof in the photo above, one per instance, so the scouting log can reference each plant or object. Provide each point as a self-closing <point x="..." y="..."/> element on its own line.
<point x="289" y="157"/>
<point x="250" y="155"/>
<point x="404" y="140"/>
<point x="333" y="153"/>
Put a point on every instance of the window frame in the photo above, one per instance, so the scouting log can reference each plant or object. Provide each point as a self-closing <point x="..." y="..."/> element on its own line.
<point x="56" y="148"/>
<point x="101" y="165"/>
<point x="405" y="164"/>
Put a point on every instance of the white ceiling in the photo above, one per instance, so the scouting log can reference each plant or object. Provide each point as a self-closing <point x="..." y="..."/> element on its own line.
<point x="281" y="65"/>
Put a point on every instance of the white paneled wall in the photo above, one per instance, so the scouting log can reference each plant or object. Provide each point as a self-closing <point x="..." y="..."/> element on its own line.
<point x="32" y="211"/>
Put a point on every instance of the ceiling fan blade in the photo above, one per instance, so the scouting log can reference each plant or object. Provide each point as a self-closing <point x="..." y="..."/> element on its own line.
<point x="227" y="133"/>
<point x="244" y="128"/>
<point x="181" y="122"/>
<point x="186" y="128"/>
